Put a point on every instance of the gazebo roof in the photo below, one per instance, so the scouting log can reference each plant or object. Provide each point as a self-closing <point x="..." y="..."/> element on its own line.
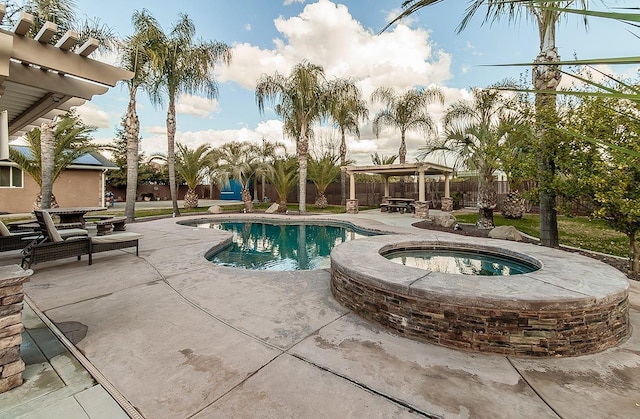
<point x="405" y="169"/>
<point x="39" y="81"/>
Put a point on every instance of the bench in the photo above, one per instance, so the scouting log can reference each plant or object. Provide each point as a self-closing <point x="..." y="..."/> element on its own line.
<point x="104" y="224"/>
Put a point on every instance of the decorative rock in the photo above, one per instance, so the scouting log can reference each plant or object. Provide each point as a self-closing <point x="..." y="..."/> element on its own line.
<point x="215" y="209"/>
<point x="446" y="220"/>
<point x="272" y="209"/>
<point x="506" y="233"/>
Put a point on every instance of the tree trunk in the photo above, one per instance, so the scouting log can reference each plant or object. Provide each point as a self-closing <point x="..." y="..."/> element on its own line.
<point x="634" y="252"/>
<point x="246" y="199"/>
<point x="191" y="199"/>
<point x="486" y="200"/>
<point x="47" y="165"/>
<point x="171" y="154"/>
<point x="132" y="127"/>
<point x="321" y="200"/>
<point x="402" y="153"/>
<point x="343" y="162"/>
<point x="282" y="206"/>
<point x="547" y="77"/>
<point x="303" y="151"/>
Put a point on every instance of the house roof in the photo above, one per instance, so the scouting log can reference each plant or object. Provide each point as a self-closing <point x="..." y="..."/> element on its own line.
<point x="39" y="81"/>
<point x="93" y="160"/>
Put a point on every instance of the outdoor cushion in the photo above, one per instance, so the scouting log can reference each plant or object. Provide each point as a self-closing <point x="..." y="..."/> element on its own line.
<point x="61" y="235"/>
<point x="116" y="238"/>
<point x="4" y="231"/>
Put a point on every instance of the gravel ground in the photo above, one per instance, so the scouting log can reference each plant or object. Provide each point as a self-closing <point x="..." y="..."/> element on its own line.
<point x="470" y="230"/>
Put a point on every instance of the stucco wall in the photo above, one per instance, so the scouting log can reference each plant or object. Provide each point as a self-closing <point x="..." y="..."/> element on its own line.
<point x="74" y="188"/>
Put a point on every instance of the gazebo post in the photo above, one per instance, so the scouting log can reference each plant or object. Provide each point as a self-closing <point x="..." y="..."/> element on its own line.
<point x="352" y="202"/>
<point x="447" y="201"/>
<point x="421" y="206"/>
<point x="386" y="188"/>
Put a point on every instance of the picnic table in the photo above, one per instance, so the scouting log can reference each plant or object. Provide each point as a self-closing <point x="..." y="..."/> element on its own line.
<point x="398" y="204"/>
<point x="74" y="214"/>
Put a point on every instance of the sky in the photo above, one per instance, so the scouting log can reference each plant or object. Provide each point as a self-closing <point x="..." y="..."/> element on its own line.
<point x="266" y="36"/>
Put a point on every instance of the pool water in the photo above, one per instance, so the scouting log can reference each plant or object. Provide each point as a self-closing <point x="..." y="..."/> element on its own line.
<point x="280" y="247"/>
<point x="460" y="262"/>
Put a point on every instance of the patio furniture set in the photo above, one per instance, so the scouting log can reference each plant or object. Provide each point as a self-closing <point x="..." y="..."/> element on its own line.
<point x="42" y="240"/>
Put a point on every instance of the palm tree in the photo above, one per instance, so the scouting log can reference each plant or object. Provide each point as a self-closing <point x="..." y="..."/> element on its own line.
<point x="283" y="176"/>
<point x="237" y="160"/>
<point x="381" y="159"/>
<point x="323" y="172"/>
<point x="475" y="132"/>
<point x="301" y="100"/>
<point x="63" y="14"/>
<point x="545" y="78"/>
<point x="182" y="66"/>
<point x="135" y="55"/>
<point x="49" y="157"/>
<point x="266" y="154"/>
<point x="407" y="111"/>
<point x="191" y="164"/>
<point x="347" y="109"/>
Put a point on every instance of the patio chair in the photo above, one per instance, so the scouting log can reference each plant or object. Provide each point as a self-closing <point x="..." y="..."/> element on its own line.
<point x="54" y="244"/>
<point x="13" y="241"/>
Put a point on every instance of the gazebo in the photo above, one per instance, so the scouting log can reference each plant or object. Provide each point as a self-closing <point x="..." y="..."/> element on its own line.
<point x="420" y="169"/>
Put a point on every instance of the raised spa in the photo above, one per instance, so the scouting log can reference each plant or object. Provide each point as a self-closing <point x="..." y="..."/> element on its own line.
<point x="462" y="262"/>
<point x="571" y="305"/>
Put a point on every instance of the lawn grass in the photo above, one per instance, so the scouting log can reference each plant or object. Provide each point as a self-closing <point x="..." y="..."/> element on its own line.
<point x="582" y="232"/>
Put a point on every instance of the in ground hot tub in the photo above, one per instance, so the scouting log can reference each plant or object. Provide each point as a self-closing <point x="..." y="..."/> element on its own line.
<point x="571" y="305"/>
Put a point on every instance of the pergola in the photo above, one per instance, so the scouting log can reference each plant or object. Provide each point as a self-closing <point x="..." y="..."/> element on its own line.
<point x="420" y="169"/>
<point x="39" y="81"/>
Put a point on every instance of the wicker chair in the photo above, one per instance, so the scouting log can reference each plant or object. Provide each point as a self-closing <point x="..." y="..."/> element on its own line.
<point x="13" y="241"/>
<point x="54" y="246"/>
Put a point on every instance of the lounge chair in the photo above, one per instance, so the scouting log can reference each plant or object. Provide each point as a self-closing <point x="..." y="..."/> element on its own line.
<point x="13" y="241"/>
<point x="55" y="246"/>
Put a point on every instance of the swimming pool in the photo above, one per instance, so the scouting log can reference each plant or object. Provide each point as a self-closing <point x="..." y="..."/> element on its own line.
<point x="280" y="247"/>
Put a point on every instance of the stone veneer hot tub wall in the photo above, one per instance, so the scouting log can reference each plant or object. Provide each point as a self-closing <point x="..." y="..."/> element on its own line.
<point x="573" y="305"/>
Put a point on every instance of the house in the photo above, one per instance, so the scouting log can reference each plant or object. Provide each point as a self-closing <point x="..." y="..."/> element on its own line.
<point x="39" y="81"/>
<point x="82" y="184"/>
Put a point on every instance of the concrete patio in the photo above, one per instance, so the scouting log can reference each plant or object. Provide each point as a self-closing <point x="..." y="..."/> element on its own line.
<point x="178" y="337"/>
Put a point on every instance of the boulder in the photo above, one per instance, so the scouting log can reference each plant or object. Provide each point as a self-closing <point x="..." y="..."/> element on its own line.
<point x="215" y="209"/>
<point x="506" y="233"/>
<point x="272" y="209"/>
<point x="445" y="220"/>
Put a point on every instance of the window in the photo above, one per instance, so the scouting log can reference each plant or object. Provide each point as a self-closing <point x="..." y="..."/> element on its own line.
<point x="10" y="177"/>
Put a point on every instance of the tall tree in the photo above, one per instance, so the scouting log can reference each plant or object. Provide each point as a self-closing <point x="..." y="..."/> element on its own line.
<point x="347" y="110"/>
<point x="301" y="99"/>
<point x="136" y="53"/>
<point x="545" y="78"/>
<point x="184" y="66"/>
<point x="475" y="132"/>
<point x="405" y="112"/>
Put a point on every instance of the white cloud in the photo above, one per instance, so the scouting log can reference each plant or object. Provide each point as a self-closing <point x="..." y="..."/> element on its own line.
<point x="325" y="33"/>
<point x="247" y="27"/>
<point x="91" y="114"/>
<point x="290" y="2"/>
<point x="196" y="105"/>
